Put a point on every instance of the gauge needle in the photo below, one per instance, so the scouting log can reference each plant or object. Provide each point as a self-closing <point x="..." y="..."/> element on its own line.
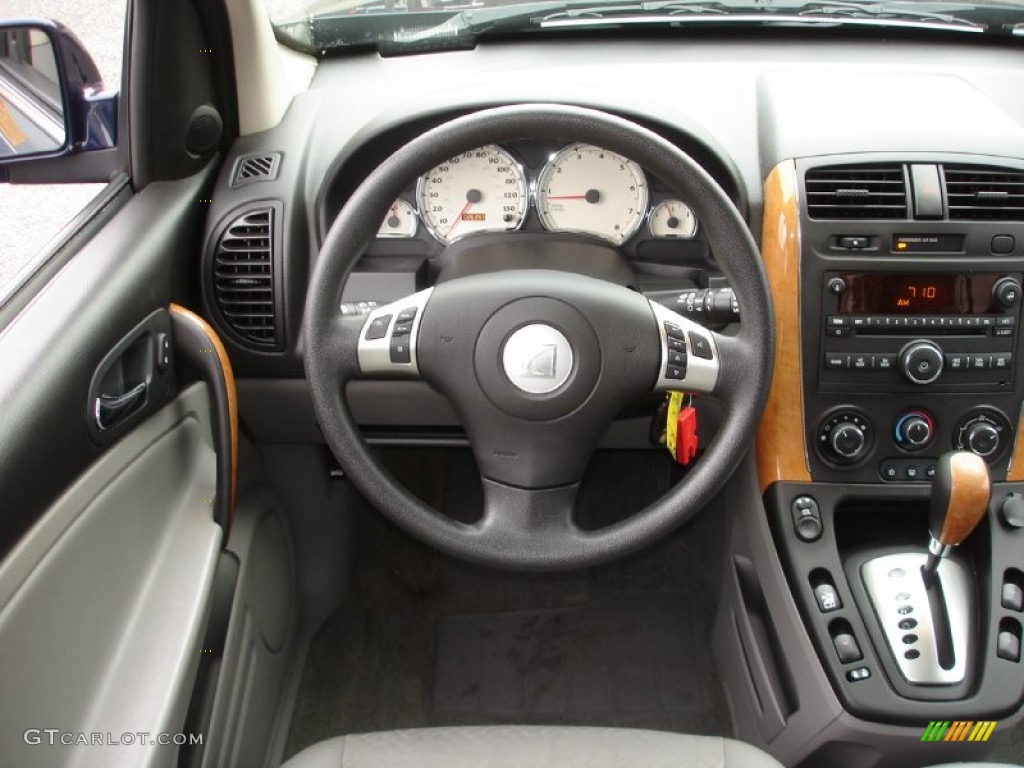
<point x="458" y="218"/>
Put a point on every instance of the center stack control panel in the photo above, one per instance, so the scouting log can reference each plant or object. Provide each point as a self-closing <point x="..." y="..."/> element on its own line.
<point x="910" y="328"/>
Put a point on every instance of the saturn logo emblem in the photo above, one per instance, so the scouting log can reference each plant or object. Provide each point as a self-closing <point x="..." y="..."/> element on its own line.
<point x="537" y="358"/>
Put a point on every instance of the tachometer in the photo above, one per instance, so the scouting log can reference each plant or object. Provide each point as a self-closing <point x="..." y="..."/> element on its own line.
<point x="483" y="190"/>
<point x="593" y="191"/>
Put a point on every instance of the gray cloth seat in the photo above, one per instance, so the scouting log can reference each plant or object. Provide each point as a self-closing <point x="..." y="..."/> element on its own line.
<point x="530" y="747"/>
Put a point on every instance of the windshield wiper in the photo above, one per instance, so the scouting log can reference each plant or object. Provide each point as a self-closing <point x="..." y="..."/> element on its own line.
<point x="378" y="24"/>
<point x="896" y="13"/>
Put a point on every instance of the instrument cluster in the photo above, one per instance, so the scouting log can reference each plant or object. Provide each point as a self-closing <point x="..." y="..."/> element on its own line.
<point x="580" y="189"/>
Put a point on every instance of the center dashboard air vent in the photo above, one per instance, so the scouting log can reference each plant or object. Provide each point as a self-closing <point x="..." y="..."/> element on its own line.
<point x="857" y="192"/>
<point x="243" y="277"/>
<point x="984" y="192"/>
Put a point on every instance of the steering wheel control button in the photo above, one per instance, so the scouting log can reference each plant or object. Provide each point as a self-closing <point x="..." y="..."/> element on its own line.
<point x="675" y="357"/>
<point x="827" y="598"/>
<point x="673" y="331"/>
<point x="846" y="648"/>
<point x="402" y="329"/>
<point x="400" y="352"/>
<point x="806" y="518"/>
<point x="406" y="315"/>
<point x="537" y="359"/>
<point x="1012" y="597"/>
<point x="675" y="372"/>
<point x="378" y="327"/>
<point x="700" y="346"/>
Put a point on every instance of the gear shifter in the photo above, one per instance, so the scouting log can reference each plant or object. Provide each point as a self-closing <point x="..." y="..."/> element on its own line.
<point x="925" y="602"/>
<point x="960" y="494"/>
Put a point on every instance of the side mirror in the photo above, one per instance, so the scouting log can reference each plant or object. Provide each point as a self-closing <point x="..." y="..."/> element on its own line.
<point x="52" y="99"/>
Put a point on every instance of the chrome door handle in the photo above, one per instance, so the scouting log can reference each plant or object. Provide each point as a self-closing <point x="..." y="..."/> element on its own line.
<point x="109" y="410"/>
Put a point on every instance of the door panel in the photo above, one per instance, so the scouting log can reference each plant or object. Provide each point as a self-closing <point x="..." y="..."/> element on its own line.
<point x="51" y="350"/>
<point x="104" y="603"/>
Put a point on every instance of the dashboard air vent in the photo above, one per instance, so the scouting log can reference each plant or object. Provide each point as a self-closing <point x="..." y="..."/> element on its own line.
<point x="984" y="192"/>
<point x="255" y="168"/>
<point x="243" y="277"/>
<point x="857" y="192"/>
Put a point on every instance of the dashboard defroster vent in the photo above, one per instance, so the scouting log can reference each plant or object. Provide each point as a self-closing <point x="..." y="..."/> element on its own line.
<point x="255" y="168"/>
<point x="857" y="192"/>
<point x="243" y="277"/>
<point x="984" y="192"/>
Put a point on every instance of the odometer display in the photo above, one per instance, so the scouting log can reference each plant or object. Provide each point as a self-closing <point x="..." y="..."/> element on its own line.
<point x="483" y="190"/>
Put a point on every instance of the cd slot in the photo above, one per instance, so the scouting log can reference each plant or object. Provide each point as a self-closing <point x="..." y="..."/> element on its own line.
<point x="904" y="331"/>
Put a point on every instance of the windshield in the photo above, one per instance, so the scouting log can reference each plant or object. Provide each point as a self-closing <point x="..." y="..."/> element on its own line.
<point x="402" y="26"/>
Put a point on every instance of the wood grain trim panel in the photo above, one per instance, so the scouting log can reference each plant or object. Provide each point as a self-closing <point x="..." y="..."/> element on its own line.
<point x="781" y="452"/>
<point x="229" y="385"/>
<point x="969" y="494"/>
<point x="1015" y="472"/>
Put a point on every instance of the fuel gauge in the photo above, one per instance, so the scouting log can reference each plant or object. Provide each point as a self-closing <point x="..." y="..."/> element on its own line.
<point x="672" y="218"/>
<point x="401" y="220"/>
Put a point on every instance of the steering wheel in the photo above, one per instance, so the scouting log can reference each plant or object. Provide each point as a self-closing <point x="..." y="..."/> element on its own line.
<point x="537" y="363"/>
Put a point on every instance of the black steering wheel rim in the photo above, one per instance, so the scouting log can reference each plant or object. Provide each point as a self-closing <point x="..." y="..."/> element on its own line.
<point x="329" y="341"/>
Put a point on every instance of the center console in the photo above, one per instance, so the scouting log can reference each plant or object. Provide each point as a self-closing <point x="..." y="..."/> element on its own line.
<point x="897" y="284"/>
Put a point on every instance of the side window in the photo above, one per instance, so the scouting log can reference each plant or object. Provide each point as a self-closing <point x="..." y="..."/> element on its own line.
<point x="31" y="215"/>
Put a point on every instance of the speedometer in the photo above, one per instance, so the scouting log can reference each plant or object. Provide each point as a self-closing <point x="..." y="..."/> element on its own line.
<point x="483" y="190"/>
<point x="593" y="191"/>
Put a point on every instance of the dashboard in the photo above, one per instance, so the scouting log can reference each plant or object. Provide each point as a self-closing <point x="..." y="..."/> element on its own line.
<point x="884" y="182"/>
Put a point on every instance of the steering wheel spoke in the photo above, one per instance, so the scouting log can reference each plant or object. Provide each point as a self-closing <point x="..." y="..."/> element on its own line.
<point x="690" y="355"/>
<point x="526" y="517"/>
<point x="388" y="340"/>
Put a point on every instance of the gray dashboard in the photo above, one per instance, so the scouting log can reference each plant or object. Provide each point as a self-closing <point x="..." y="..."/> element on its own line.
<point x="739" y="105"/>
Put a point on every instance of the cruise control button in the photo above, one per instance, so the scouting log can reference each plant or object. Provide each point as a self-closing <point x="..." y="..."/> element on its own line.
<point x="700" y="346"/>
<point x="378" y="327"/>
<point x="675" y="372"/>
<point x="406" y="315"/>
<point x="402" y="329"/>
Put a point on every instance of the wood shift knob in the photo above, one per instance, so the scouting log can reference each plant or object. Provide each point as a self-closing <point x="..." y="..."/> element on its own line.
<point x="960" y="495"/>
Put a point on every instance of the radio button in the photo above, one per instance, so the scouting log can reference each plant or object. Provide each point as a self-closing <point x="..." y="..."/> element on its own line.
<point x="884" y="362"/>
<point x="956" y="361"/>
<point x="839" y="333"/>
<point x="921" y="361"/>
<point x="860" y="362"/>
<point x="1002" y="331"/>
<point x="988" y="322"/>
<point x="1005" y="320"/>
<point x="837" y="362"/>
<point x="838" y="321"/>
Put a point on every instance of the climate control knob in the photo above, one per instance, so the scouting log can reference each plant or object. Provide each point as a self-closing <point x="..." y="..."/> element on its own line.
<point x="845" y="437"/>
<point x="913" y="430"/>
<point x="921" y="361"/>
<point x="986" y="432"/>
<point x="848" y="440"/>
<point x="982" y="438"/>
